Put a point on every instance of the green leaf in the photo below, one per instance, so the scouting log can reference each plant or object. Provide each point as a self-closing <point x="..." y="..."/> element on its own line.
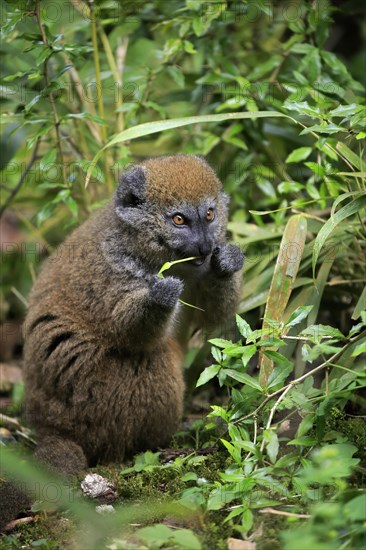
<point x="278" y="358"/>
<point x="243" y="326"/>
<point x="278" y="375"/>
<point x="298" y="315"/>
<point x="355" y="509"/>
<point x="360" y="348"/>
<point x="299" y="154"/>
<point x="87" y="116"/>
<point x="318" y="332"/>
<point x="234" y="350"/>
<point x="351" y="208"/>
<point x="361" y="305"/>
<point x="188" y="47"/>
<point x="306" y="441"/>
<point x="243" y="378"/>
<point x="305" y="425"/>
<point x="316" y="168"/>
<point x="207" y="374"/>
<point x="345" y="110"/>
<point x="216" y="354"/>
<point x="248" y="353"/>
<point x="161" y="125"/>
<point x="185" y="539"/>
<point x="272" y="445"/>
<point x="352" y="158"/>
<point x="189" y="476"/>
<point x="49" y="159"/>
<point x="157" y="534"/>
<point x="220" y="343"/>
<point x="177" y="75"/>
<point x="289" y="187"/>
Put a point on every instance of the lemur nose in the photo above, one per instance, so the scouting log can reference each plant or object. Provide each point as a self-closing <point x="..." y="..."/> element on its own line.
<point x="205" y="249"/>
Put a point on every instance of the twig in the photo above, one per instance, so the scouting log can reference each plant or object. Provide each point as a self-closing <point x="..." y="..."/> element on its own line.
<point x="273" y="410"/>
<point x="19" y="296"/>
<point x="50" y="95"/>
<point x="15" y="522"/>
<point x="7" y="420"/>
<point x="280" y="513"/>
<point x="301" y="378"/>
<point x="16" y="189"/>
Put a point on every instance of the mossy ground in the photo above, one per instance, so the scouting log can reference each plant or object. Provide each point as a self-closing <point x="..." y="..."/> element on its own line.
<point x="163" y="484"/>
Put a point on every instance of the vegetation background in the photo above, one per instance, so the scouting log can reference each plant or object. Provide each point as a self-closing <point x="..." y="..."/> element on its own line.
<point x="272" y="93"/>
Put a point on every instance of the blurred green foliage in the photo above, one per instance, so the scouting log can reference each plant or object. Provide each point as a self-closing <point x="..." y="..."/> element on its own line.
<point x="77" y="73"/>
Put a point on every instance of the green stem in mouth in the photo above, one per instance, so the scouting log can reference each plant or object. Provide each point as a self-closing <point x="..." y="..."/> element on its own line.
<point x="168" y="265"/>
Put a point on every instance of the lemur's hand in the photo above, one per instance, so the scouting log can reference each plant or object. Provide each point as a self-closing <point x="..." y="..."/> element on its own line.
<point x="227" y="259"/>
<point x="166" y="292"/>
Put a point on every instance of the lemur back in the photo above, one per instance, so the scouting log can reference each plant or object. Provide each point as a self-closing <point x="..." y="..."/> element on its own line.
<point x="105" y="336"/>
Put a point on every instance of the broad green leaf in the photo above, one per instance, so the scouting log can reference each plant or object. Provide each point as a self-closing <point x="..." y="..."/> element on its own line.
<point x="305" y="425"/>
<point x="361" y="305"/>
<point x="279" y="374"/>
<point x="272" y="445"/>
<point x="319" y="332"/>
<point x="184" y="539"/>
<point x="243" y="326"/>
<point x="297" y="155"/>
<point x="360" y="348"/>
<point x="298" y="315"/>
<point x="216" y="354"/>
<point x="207" y="374"/>
<point x="220" y="343"/>
<point x="248" y="353"/>
<point x="351" y="208"/>
<point x="355" y="509"/>
<point x="289" y="187"/>
<point x="316" y="168"/>
<point x="234" y="350"/>
<point x="345" y="110"/>
<point x="243" y="378"/>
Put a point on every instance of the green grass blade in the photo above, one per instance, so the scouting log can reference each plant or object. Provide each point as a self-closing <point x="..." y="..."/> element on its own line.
<point x="351" y="208"/>
<point x="160" y="125"/>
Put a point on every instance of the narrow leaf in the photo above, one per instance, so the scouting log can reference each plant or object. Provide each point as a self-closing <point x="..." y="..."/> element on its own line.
<point x="159" y="126"/>
<point x="348" y="210"/>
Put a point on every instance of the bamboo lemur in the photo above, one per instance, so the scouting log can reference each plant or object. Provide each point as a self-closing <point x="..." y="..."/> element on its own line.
<point x="105" y="336"/>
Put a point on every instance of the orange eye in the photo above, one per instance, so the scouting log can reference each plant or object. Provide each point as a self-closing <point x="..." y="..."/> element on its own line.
<point x="210" y="215"/>
<point x="178" y="219"/>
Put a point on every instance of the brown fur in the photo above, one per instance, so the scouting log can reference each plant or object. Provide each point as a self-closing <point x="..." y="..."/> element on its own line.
<point x="103" y="367"/>
<point x="182" y="177"/>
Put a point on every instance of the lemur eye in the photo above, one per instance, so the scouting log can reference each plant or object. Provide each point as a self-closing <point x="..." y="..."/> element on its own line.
<point x="178" y="219"/>
<point x="210" y="215"/>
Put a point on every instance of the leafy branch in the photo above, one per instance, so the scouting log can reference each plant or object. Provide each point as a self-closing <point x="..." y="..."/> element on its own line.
<point x="283" y="391"/>
<point x="18" y="186"/>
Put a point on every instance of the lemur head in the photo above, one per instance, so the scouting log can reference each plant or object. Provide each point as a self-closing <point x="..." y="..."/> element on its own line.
<point x="175" y="205"/>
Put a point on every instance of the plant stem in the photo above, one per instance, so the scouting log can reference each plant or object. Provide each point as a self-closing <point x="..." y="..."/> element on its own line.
<point x="117" y="78"/>
<point x="300" y="379"/>
<point x="50" y="95"/>
<point x="98" y="82"/>
<point x="22" y="178"/>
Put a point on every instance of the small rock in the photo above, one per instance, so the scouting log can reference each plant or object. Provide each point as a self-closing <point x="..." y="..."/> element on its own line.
<point x="239" y="544"/>
<point x="97" y="486"/>
<point x="105" y="509"/>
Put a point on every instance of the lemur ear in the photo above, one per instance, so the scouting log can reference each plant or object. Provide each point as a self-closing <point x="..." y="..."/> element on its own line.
<point x="131" y="188"/>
